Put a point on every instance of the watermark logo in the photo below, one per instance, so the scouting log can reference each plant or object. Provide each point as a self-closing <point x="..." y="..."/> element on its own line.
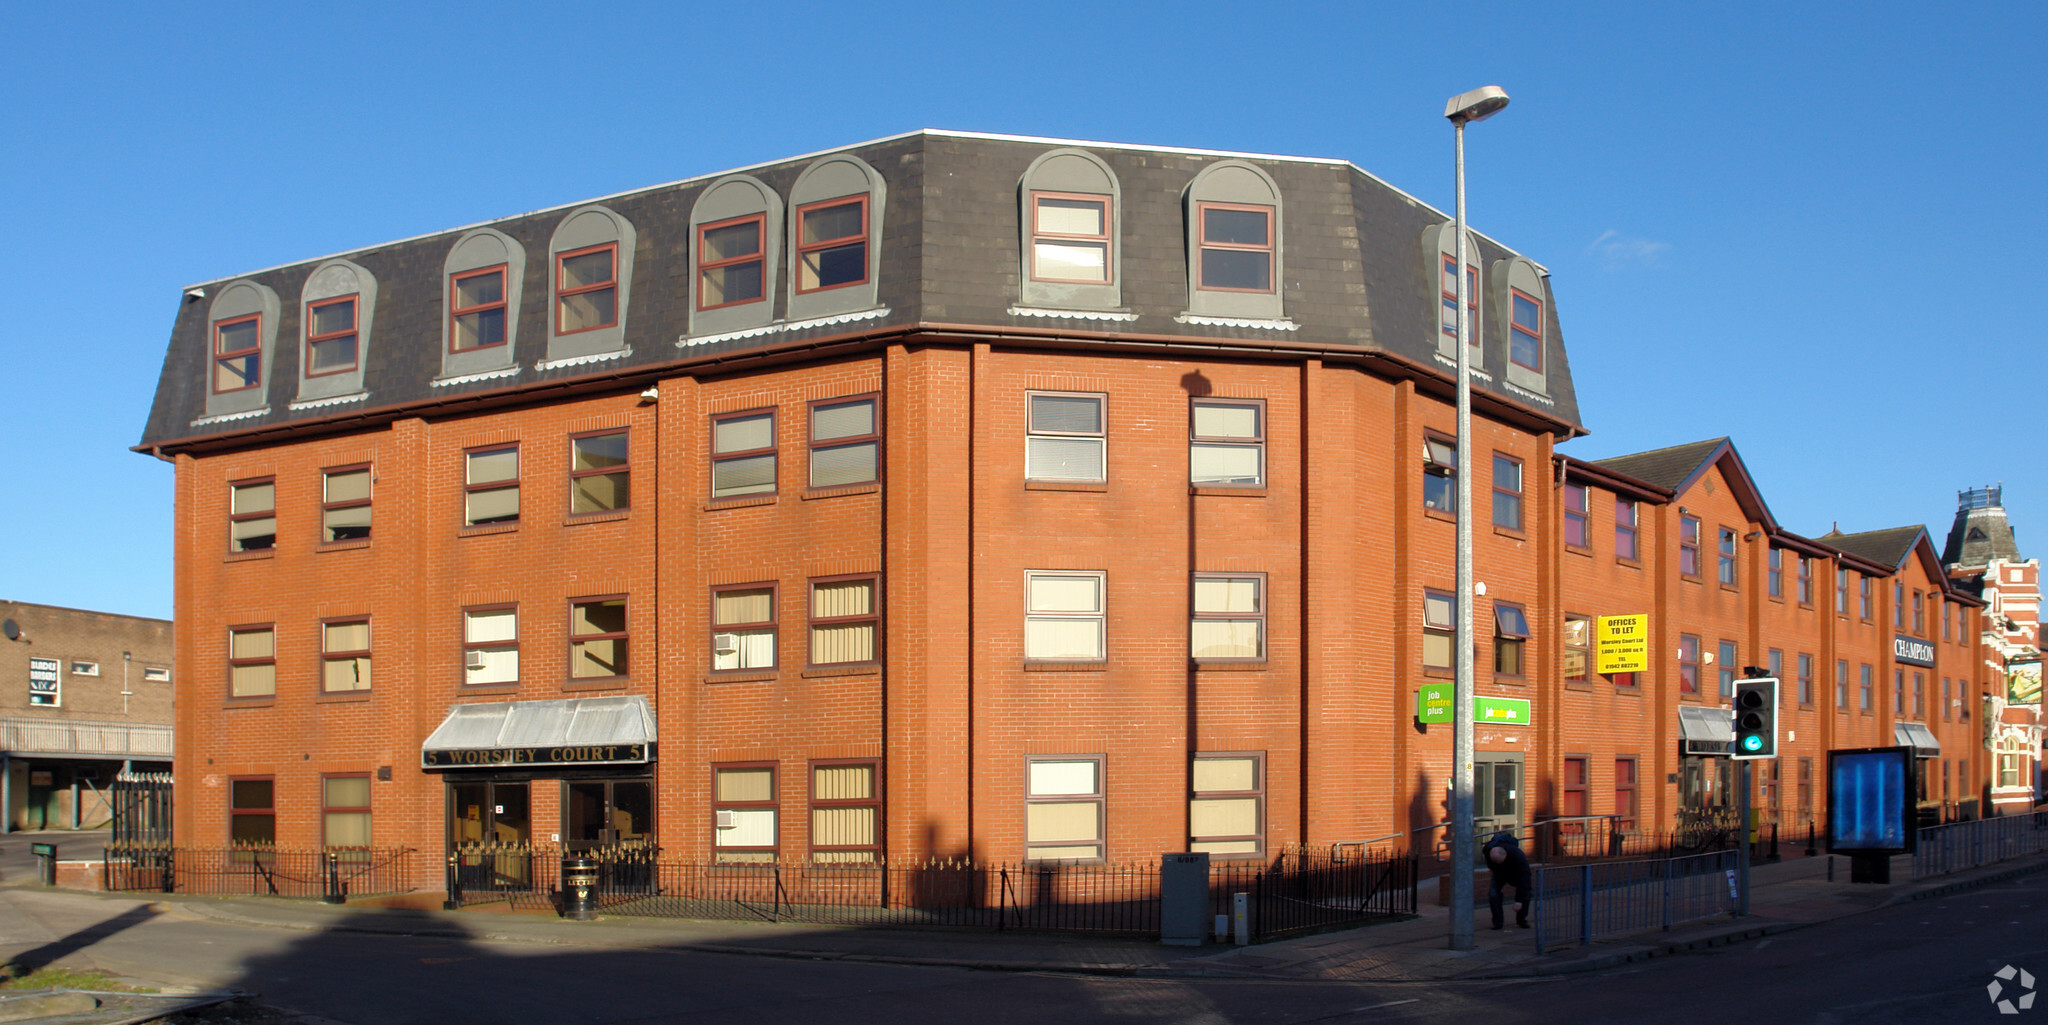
<point x="2026" y="990"/>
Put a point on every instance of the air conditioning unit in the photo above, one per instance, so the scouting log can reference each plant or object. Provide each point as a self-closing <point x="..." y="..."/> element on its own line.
<point x="473" y="660"/>
<point x="725" y="644"/>
<point x="728" y="819"/>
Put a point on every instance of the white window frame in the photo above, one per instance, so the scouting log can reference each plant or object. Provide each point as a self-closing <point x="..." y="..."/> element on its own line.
<point x="1038" y="465"/>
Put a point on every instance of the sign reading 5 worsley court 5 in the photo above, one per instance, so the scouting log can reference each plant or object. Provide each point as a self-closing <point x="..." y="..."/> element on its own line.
<point x="510" y="757"/>
<point x="42" y="681"/>
<point x="1623" y="644"/>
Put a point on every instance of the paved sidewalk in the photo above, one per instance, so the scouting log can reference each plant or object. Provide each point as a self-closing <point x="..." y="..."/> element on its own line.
<point x="1784" y="895"/>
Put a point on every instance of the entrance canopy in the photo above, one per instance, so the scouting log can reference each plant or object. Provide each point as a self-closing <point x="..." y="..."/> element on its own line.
<point x="617" y="730"/>
<point x="1917" y="737"/>
<point x="1705" y="731"/>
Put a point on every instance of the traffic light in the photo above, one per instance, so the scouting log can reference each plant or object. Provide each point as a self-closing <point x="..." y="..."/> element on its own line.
<point x="1756" y="718"/>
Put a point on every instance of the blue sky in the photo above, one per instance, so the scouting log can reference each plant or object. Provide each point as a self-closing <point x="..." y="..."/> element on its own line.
<point x="1791" y="224"/>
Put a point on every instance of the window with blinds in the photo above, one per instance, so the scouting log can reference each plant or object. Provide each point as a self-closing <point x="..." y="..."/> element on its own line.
<point x="490" y="645"/>
<point x="598" y="638"/>
<point x="1063" y="810"/>
<point x="345" y="656"/>
<point x="1229" y="617"/>
<point x="345" y="812"/>
<point x="845" y="812"/>
<point x="843" y="621"/>
<point x="252" y="662"/>
<point x="1226" y="812"/>
<point x="252" y="515"/>
<point x="743" y="454"/>
<point x="1066" y="437"/>
<point x="744" y="814"/>
<point x="845" y="442"/>
<point x="743" y="628"/>
<point x="491" y="486"/>
<point x="345" y="504"/>
<point x="1227" y="443"/>
<point x="1064" y="616"/>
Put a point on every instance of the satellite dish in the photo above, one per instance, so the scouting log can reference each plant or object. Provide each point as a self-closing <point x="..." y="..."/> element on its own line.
<point x="11" y="629"/>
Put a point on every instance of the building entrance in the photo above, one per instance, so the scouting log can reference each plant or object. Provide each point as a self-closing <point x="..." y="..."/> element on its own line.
<point x="1496" y="792"/>
<point x="490" y="831"/>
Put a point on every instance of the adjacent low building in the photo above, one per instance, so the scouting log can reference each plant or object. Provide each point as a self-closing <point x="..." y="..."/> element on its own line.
<point x="961" y="495"/>
<point x="87" y="695"/>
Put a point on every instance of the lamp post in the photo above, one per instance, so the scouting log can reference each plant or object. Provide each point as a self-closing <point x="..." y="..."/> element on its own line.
<point x="1477" y="105"/>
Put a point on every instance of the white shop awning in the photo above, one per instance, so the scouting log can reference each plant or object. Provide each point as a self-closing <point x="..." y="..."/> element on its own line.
<point x="616" y="730"/>
<point x="1705" y="731"/>
<point x="1918" y="737"/>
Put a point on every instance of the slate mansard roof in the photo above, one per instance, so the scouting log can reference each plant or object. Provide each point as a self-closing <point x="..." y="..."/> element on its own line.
<point x="1357" y="280"/>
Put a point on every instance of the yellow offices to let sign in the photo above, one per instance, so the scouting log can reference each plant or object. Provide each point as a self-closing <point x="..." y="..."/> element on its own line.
<point x="1623" y="644"/>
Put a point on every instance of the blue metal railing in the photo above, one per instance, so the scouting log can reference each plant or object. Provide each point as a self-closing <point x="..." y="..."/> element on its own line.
<point x="1582" y="903"/>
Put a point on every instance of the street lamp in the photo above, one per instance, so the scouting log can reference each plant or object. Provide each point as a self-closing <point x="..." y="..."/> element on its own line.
<point x="1477" y="105"/>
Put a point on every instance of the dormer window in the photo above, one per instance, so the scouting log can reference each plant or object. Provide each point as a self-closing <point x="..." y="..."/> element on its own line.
<point x="1448" y="321"/>
<point x="237" y="353"/>
<point x="485" y="271"/>
<point x="1070" y="238"/>
<point x="1235" y="237"/>
<point x="338" y="304"/>
<point x="832" y="244"/>
<point x="1070" y="215"/>
<point x="587" y="289"/>
<point x="1525" y="339"/>
<point x="731" y="263"/>
<point x="1236" y="248"/>
<point x="477" y="309"/>
<point x="330" y="336"/>
<point x="837" y="205"/>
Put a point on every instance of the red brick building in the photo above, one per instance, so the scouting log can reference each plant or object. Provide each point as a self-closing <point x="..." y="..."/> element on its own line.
<point x="956" y="495"/>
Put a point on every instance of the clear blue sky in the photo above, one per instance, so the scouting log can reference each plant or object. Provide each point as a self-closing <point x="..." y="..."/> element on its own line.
<point x="1803" y="228"/>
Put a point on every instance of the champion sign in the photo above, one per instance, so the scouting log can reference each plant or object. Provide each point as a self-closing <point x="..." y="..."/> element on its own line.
<point x="1913" y="651"/>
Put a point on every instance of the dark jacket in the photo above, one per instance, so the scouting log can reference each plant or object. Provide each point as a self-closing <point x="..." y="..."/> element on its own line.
<point x="1513" y="870"/>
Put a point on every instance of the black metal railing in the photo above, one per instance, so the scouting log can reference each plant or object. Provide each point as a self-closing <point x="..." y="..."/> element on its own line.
<point x="332" y="875"/>
<point x="141" y="805"/>
<point x="1296" y="890"/>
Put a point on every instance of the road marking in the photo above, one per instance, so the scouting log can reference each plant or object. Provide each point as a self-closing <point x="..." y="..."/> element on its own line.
<point x="1390" y="1003"/>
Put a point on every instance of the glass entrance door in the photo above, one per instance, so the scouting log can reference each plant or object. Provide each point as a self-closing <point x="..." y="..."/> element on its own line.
<point x="490" y="828"/>
<point x="607" y="813"/>
<point x="1496" y="793"/>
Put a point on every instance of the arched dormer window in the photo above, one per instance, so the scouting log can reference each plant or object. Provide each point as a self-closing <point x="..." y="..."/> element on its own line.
<point x="1440" y="254"/>
<point x="590" y="283"/>
<point x="335" y="312"/>
<point x="735" y="238"/>
<point x="1070" y="250"/>
<point x="241" y="334"/>
<point x="835" y="252"/>
<point x="480" y="330"/>
<point x="1235" y="243"/>
<point x="1521" y="311"/>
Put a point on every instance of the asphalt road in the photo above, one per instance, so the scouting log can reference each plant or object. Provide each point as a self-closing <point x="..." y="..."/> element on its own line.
<point x="1925" y="962"/>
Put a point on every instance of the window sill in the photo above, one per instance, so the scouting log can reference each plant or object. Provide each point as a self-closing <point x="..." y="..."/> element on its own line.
<point x="1066" y="667"/>
<point x="606" y="516"/>
<point x="1066" y="485"/>
<point x="351" y="545"/>
<point x="266" y="701"/>
<point x="1692" y="579"/>
<point x="1731" y="588"/>
<point x="1518" y="535"/>
<point x="1694" y="699"/>
<point x="606" y="683"/>
<point x="1246" y="666"/>
<point x="344" y="697"/>
<point x="1578" y="685"/>
<point x="254" y="556"/>
<point x="1228" y="490"/>
<point x="483" y="529"/>
<point x="487" y="688"/>
<point x="1439" y="672"/>
<point x="862" y="669"/>
<point x="1439" y="514"/>
<point x="743" y="676"/>
<point x="1779" y="598"/>
<point x="1630" y="563"/>
<point x="742" y="502"/>
<point x="848" y="489"/>
<point x="1576" y="550"/>
<point x="1511" y="682"/>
